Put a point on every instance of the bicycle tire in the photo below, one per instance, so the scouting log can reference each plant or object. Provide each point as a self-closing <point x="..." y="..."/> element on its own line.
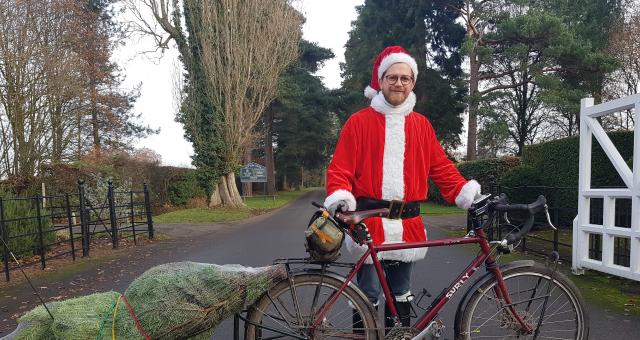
<point x="276" y="309"/>
<point x="486" y="317"/>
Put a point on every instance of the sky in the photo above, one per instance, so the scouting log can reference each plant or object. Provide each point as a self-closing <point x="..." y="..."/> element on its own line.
<point x="328" y="24"/>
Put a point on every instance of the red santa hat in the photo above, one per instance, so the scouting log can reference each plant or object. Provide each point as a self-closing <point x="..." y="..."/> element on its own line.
<point x="386" y="58"/>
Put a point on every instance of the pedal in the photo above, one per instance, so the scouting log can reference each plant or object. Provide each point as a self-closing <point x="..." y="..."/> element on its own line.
<point x="433" y="331"/>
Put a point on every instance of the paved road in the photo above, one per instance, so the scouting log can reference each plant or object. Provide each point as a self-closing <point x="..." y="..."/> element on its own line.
<point x="256" y="242"/>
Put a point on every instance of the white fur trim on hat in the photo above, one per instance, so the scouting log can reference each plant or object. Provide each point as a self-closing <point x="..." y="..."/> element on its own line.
<point x="394" y="58"/>
<point x="370" y="92"/>
<point x="468" y="194"/>
<point x="341" y="195"/>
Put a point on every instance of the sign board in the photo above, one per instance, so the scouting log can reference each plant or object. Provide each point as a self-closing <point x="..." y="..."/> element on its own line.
<point x="253" y="172"/>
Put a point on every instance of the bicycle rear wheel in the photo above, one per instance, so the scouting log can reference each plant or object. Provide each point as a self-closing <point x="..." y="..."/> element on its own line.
<point x="288" y="310"/>
<point x="487" y="317"/>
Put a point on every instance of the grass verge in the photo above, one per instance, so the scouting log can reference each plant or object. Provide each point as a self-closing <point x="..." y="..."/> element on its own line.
<point x="254" y="206"/>
<point x="428" y="208"/>
<point x="608" y="291"/>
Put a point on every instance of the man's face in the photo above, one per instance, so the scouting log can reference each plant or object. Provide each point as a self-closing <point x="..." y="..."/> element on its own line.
<point x="395" y="92"/>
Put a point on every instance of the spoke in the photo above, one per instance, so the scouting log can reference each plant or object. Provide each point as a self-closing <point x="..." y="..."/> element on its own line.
<point x="278" y="319"/>
<point x="488" y="319"/>
<point x="558" y="311"/>
<point x="275" y="306"/>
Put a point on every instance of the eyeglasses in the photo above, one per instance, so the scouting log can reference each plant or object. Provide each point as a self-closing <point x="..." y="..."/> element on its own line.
<point x="393" y="79"/>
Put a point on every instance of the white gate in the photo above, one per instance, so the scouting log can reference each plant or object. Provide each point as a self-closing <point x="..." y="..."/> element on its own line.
<point x="594" y="243"/>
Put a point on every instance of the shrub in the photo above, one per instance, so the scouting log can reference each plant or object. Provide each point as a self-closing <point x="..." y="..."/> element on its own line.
<point x="184" y="187"/>
<point x="486" y="171"/>
<point x="21" y="225"/>
<point x="557" y="161"/>
<point x="554" y="168"/>
<point x="520" y="176"/>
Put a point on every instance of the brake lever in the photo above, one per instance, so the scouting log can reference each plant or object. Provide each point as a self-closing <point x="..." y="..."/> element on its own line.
<point x="506" y="218"/>
<point x="546" y="212"/>
<point x="503" y="246"/>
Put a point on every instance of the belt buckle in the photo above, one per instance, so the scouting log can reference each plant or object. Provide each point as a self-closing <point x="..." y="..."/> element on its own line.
<point x="395" y="209"/>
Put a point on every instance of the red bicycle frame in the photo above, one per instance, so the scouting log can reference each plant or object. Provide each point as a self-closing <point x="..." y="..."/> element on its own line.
<point x="479" y="237"/>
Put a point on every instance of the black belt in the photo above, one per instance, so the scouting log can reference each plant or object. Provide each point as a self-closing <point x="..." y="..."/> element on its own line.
<point x="397" y="209"/>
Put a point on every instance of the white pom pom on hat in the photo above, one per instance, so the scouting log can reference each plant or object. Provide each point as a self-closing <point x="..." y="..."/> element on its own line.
<point x="386" y="58"/>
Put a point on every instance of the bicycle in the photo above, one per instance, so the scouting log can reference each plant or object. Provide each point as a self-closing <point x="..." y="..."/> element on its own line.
<point x="516" y="300"/>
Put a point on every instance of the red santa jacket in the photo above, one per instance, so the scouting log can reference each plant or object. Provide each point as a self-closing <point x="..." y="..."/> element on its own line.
<point x="390" y="156"/>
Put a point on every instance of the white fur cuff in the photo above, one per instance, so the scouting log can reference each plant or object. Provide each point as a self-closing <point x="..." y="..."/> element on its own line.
<point x="467" y="194"/>
<point x="341" y="195"/>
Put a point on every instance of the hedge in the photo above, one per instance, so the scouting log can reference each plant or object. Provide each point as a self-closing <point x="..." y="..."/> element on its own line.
<point x="167" y="184"/>
<point x="549" y="169"/>
<point x="557" y="160"/>
<point x="486" y="171"/>
<point x="22" y="225"/>
<point x="184" y="186"/>
<point x="555" y="164"/>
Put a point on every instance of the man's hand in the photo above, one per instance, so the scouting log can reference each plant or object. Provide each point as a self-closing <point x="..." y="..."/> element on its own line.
<point x="468" y="194"/>
<point x="340" y="205"/>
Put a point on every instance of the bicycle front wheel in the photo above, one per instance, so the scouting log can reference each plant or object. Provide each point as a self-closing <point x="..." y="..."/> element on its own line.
<point x="288" y="311"/>
<point x="535" y="296"/>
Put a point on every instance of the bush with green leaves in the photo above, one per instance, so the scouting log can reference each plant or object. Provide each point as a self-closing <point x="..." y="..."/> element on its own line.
<point x="21" y="225"/>
<point x="486" y="171"/>
<point x="557" y="161"/>
<point x="183" y="187"/>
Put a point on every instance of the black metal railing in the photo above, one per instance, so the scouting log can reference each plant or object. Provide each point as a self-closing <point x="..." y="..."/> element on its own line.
<point x="562" y="204"/>
<point x="53" y="226"/>
<point x="560" y="215"/>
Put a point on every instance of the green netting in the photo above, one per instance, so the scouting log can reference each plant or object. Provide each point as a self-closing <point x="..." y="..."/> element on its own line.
<point x="184" y="300"/>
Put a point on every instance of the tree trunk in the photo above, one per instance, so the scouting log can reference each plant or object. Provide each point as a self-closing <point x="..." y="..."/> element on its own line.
<point x="228" y="192"/>
<point x="215" y="199"/>
<point x="268" y="153"/>
<point x="472" y="131"/>
<point x="95" y="126"/>
<point x="235" y="199"/>
<point x="223" y="189"/>
<point x="301" y="178"/>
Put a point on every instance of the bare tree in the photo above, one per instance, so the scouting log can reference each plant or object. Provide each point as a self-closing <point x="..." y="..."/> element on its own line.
<point x="22" y="28"/>
<point x="624" y="45"/>
<point x="45" y="98"/>
<point x="243" y="47"/>
<point x="246" y="45"/>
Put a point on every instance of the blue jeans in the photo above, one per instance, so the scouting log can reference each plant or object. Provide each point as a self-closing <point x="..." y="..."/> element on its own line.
<point x="398" y="274"/>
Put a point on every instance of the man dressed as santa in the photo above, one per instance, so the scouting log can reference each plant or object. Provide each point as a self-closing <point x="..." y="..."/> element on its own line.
<point x="384" y="157"/>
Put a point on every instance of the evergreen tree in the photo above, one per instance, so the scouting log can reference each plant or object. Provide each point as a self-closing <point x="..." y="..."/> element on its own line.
<point x="198" y="115"/>
<point x="304" y="128"/>
<point x="427" y="29"/>
<point x="591" y="22"/>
